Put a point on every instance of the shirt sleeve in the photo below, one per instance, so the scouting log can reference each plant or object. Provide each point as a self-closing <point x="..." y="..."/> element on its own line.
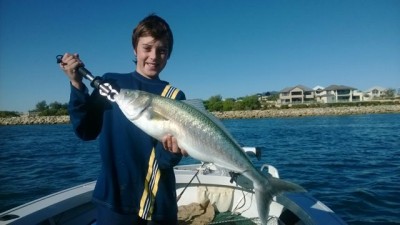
<point x="86" y="113"/>
<point x="165" y="158"/>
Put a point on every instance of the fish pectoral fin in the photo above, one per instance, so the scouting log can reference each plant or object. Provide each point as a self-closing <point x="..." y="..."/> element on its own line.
<point x="157" y="116"/>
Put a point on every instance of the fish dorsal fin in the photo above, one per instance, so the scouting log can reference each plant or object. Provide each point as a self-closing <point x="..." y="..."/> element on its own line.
<point x="198" y="104"/>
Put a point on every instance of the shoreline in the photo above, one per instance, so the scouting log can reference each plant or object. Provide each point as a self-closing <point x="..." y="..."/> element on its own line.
<point x="302" y="112"/>
<point x="247" y="114"/>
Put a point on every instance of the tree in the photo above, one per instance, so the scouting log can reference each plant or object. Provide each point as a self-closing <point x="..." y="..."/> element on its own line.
<point x="228" y="104"/>
<point x="239" y="105"/>
<point x="390" y="93"/>
<point x="55" y="105"/>
<point x="251" y="102"/>
<point x="41" y="106"/>
<point x="53" y="109"/>
<point x="5" y="114"/>
<point x="214" y="103"/>
<point x="273" y="97"/>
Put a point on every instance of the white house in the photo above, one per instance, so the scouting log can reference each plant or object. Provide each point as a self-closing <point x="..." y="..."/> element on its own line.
<point x="296" y="94"/>
<point x="330" y="94"/>
<point x="322" y="96"/>
<point x="375" y="92"/>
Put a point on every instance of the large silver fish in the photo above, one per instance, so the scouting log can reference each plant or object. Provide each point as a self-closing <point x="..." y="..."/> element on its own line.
<point x="202" y="136"/>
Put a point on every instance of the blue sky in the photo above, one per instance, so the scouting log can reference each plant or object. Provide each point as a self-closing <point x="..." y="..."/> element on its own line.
<point x="230" y="48"/>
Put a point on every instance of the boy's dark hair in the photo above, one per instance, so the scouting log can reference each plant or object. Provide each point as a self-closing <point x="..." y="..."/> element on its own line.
<point x="155" y="27"/>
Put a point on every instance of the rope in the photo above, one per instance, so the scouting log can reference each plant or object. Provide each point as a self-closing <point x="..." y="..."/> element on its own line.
<point x="187" y="185"/>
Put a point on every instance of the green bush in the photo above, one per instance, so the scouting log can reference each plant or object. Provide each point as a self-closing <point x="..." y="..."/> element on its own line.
<point x="5" y="114"/>
<point x="53" y="109"/>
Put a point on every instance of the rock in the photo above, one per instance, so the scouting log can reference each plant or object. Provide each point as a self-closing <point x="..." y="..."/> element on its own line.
<point x="269" y="113"/>
<point x="308" y="112"/>
<point x="27" y="120"/>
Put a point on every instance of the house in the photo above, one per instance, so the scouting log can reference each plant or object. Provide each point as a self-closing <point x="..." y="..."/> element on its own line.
<point x="341" y="93"/>
<point x="375" y="92"/>
<point x="297" y="94"/>
<point x="330" y="94"/>
<point x="322" y="96"/>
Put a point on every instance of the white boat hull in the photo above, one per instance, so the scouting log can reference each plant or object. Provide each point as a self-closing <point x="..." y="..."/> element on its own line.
<point x="73" y="206"/>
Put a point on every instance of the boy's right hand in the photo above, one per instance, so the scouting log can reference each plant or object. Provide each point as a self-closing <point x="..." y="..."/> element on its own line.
<point x="69" y="64"/>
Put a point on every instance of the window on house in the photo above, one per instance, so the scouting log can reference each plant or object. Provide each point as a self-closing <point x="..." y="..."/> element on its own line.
<point x="343" y="92"/>
<point x="297" y="93"/>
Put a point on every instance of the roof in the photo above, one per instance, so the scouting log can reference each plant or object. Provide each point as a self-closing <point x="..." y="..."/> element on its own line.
<point x="376" y="88"/>
<point x="302" y="87"/>
<point x="339" y="87"/>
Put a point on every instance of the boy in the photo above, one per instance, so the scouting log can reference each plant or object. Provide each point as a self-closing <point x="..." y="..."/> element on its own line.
<point x="137" y="182"/>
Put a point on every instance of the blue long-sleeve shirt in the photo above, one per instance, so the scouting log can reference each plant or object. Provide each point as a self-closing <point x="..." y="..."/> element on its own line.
<point x="128" y="181"/>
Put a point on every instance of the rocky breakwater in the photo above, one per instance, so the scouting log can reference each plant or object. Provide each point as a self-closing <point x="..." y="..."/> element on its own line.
<point x="296" y="112"/>
<point x="26" y="120"/>
<point x="291" y="112"/>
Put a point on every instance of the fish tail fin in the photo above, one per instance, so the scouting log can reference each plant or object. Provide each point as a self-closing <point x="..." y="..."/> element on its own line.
<point x="266" y="190"/>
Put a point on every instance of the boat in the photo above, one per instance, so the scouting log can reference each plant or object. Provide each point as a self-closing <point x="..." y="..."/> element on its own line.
<point x="228" y="197"/>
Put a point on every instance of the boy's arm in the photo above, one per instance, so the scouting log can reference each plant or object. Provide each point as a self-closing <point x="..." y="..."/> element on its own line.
<point x="86" y="112"/>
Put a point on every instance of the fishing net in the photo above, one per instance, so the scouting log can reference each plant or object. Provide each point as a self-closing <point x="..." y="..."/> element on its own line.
<point x="214" y="209"/>
<point x="227" y="218"/>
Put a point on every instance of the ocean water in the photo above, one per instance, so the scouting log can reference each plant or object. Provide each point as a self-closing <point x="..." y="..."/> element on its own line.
<point x="351" y="163"/>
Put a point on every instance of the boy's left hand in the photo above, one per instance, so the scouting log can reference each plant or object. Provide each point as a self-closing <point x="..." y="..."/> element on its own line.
<point x="171" y="144"/>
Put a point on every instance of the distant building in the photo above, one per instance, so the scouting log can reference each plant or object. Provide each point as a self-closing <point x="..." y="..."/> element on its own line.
<point x="265" y="95"/>
<point x="375" y="92"/>
<point x="342" y="93"/>
<point x="296" y="94"/>
<point x="322" y="96"/>
<point x="330" y="94"/>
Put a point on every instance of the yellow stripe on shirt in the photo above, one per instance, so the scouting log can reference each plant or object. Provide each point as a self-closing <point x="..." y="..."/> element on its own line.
<point x="153" y="173"/>
<point x="165" y="91"/>
<point x="146" y="199"/>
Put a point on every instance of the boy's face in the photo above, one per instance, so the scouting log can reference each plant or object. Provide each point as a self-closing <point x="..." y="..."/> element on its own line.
<point x="152" y="56"/>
